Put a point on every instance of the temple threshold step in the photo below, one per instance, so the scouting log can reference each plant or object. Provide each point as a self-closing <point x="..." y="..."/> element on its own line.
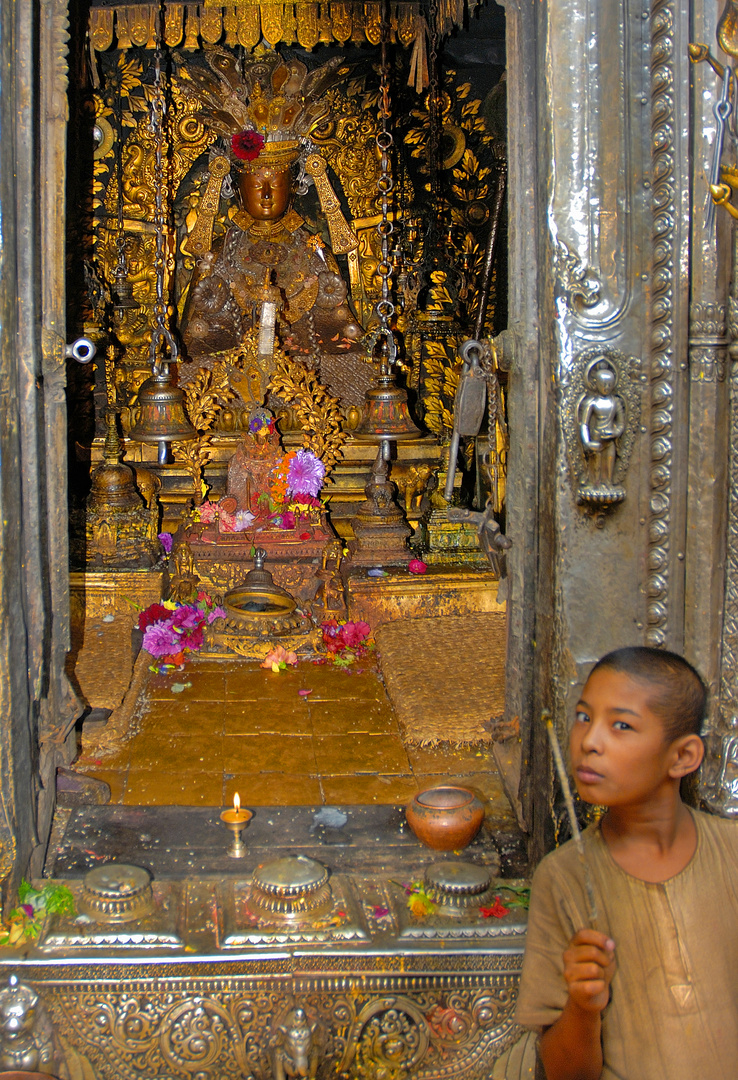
<point x="181" y="841"/>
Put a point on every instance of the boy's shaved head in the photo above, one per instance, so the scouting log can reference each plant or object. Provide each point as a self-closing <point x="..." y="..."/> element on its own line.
<point x="680" y="696"/>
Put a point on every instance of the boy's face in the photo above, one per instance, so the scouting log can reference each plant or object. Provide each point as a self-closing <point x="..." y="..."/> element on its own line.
<point x="619" y="752"/>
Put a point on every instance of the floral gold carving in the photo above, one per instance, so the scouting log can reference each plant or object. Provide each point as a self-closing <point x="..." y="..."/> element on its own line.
<point x="318" y="412"/>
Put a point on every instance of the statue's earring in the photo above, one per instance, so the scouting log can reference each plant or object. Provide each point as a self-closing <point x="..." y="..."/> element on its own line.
<point x="227" y="190"/>
<point x="301" y="185"/>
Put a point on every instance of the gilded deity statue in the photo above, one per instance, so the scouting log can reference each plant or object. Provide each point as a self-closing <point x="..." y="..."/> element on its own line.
<point x="267" y="118"/>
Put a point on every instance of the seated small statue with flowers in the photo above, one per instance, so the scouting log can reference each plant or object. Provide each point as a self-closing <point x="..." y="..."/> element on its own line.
<point x="271" y="495"/>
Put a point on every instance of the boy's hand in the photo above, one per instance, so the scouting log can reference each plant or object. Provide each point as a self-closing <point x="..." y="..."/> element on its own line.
<point x="589" y="965"/>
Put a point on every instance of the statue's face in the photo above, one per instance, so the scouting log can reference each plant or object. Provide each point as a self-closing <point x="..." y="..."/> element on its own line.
<point x="604" y="380"/>
<point x="266" y="193"/>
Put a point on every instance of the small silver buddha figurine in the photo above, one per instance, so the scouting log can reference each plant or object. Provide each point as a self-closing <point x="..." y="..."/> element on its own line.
<point x="601" y="417"/>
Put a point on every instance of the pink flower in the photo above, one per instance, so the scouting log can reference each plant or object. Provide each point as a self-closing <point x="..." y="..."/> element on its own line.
<point x="247" y="145"/>
<point x="187" y="618"/>
<point x="354" y="633"/>
<point x="227" y="522"/>
<point x="278" y="659"/>
<point x="306" y="473"/>
<point x="347" y="636"/>
<point x="302" y="499"/>
<point x="160" y="639"/>
<point x="288" y="520"/>
<point x="417" y="566"/>
<point x="207" y="512"/>
<point x="216" y="613"/>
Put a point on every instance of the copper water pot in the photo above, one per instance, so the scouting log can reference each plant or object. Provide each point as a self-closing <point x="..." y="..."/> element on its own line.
<point x="445" y="818"/>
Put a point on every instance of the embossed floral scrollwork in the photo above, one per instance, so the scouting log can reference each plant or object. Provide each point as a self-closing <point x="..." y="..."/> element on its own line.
<point x="201" y="1038"/>
<point x="389" y="1041"/>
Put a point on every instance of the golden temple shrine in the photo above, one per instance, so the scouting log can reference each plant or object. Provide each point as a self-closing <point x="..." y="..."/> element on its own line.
<point x="367" y="375"/>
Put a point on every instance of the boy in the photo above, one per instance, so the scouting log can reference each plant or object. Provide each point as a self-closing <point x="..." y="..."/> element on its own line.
<point x="650" y="992"/>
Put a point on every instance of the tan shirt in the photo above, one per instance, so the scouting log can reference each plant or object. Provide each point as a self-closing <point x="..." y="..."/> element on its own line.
<point x="673" y="1012"/>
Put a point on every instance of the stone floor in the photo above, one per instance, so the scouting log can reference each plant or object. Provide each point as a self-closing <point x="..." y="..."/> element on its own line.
<point x="237" y="727"/>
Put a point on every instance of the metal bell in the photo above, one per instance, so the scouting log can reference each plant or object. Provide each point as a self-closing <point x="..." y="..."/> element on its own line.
<point x="123" y="298"/>
<point x="387" y="416"/>
<point x="161" y="414"/>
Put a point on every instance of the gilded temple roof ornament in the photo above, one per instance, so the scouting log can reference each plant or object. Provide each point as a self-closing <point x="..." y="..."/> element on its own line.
<point x="192" y="26"/>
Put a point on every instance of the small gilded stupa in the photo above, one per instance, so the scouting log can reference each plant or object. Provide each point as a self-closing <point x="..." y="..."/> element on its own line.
<point x="118" y="527"/>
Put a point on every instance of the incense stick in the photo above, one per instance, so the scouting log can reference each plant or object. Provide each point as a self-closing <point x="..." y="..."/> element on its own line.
<point x="575" y="830"/>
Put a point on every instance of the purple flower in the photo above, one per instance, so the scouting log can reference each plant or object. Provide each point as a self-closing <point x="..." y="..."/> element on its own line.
<point x="306" y="473"/>
<point x="160" y="639"/>
<point x="243" y="520"/>
<point x="27" y="910"/>
<point x="165" y="539"/>
<point x="216" y="613"/>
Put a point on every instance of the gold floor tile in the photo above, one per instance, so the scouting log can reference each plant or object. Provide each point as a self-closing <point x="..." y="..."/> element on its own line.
<point x="260" y="718"/>
<point x="159" y="687"/>
<point x="148" y="788"/>
<point x="115" y="778"/>
<point x="206" y="685"/>
<point x="355" y="754"/>
<point x="273" y="789"/>
<point x="182" y="717"/>
<point x="268" y="753"/>
<point x="334" y="684"/>
<point x="345" y="717"/>
<point x="347" y="790"/>
<point x="446" y="758"/>
<point x="252" y="683"/>
<point x="161" y="751"/>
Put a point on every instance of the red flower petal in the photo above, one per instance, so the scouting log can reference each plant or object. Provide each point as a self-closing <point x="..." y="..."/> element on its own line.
<point x="247" y="145"/>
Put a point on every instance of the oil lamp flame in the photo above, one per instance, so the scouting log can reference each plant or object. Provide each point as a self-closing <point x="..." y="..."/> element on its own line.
<point x="236" y="802"/>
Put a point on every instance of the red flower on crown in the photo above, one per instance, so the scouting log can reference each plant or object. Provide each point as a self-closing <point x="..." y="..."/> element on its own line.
<point x="247" y="145"/>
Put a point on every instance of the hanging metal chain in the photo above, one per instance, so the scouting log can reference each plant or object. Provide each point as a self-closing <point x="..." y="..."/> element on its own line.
<point x="121" y="242"/>
<point x="161" y="332"/>
<point x="385" y="309"/>
<point x="722" y="109"/>
<point x="434" y="120"/>
<point x="496" y="424"/>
